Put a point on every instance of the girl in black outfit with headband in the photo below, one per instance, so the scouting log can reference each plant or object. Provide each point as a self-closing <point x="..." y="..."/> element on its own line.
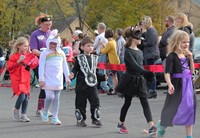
<point x="134" y="83"/>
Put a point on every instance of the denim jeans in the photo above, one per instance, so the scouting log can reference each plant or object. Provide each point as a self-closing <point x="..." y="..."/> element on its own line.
<point x="104" y="84"/>
<point x="22" y="100"/>
<point x="152" y="85"/>
<point x="119" y="73"/>
<point x="1" y="64"/>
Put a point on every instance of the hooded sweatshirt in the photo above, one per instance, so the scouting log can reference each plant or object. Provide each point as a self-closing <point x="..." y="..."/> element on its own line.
<point x="52" y="65"/>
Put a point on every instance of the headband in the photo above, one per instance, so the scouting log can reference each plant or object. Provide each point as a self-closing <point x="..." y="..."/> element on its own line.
<point x="44" y="19"/>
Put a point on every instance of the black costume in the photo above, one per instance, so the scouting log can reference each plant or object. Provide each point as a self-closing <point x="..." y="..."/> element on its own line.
<point x="85" y="69"/>
<point x="133" y="83"/>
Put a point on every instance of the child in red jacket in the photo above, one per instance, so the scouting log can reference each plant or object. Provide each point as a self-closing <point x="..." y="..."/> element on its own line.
<point x="19" y="65"/>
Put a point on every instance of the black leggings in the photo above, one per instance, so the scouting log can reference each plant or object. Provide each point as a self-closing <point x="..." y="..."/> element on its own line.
<point x="145" y="105"/>
<point x="42" y="92"/>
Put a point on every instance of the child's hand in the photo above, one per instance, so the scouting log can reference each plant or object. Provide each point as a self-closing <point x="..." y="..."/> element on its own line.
<point x="21" y="58"/>
<point x="188" y="53"/>
<point x="68" y="81"/>
<point x="42" y="83"/>
<point x="71" y="76"/>
<point x="171" y="89"/>
<point x="106" y="77"/>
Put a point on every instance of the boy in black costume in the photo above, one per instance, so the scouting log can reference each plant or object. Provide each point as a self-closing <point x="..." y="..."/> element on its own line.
<point x="85" y="69"/>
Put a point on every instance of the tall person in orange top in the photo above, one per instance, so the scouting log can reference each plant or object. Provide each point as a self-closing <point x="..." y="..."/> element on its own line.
<point x="19" y="65"/>
<point x="37" y="44"/>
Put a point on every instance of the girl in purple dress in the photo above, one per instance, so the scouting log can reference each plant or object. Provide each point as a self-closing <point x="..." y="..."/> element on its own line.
<point x="180" y="103"/>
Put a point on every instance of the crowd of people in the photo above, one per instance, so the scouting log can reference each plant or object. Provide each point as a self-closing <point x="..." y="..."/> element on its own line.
<point x="56" y="62"/>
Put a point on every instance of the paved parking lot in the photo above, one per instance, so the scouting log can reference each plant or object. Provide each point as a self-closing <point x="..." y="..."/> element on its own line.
<point x="110" y="108"/>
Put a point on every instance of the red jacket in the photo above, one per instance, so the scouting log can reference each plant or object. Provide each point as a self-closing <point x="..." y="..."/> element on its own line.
<point x="20" y="77"/>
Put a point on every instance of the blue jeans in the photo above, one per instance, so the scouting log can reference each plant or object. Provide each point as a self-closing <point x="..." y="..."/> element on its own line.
<point x="104" y="84"/>
<point x="22" y="100"/>
<point x="152" y="85"/>
<point x="119" y="73"/>
<point x="1" y="64"/>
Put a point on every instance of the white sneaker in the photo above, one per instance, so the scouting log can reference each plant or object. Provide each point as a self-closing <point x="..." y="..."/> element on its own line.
<point x="56" y="121"/>
<point x="50" y="114"/>
<point x="39" y="113"/>
<point x="37" y="85"/>
<point x="45" y="117"/>
<point x="16" y="114"/>
<point x="24" y="118"/>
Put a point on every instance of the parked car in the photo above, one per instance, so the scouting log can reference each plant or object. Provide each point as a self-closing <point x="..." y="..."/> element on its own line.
<point x="196" y="55"/>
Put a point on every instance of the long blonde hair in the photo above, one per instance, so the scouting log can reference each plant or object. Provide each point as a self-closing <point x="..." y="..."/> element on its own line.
<point x="147" y="21"/>
<point x="183" y="17"/>
<point x="175" y="39"/>
<point x="19" y="41"/>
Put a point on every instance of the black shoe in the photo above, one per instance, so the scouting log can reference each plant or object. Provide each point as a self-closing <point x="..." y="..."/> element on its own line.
<point x="97" y="123"/>
<point x="109" y="93"/>
<point x="152" y="95"/>
<point x="110" y="90"/>
<point x="165" y="92"/>
<point x="81" y="123"/>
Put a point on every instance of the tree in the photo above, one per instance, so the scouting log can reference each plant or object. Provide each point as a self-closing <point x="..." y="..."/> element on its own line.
<point x="17" y="17"/>
<point x="124" y="13"/>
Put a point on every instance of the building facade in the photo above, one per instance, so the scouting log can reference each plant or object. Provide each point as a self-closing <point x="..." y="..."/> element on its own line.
<point x="191" y="8"/>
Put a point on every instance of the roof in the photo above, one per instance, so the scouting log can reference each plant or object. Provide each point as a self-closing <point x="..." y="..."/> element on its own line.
<point x="197" y="2"/>
<point x="62" y="24"/>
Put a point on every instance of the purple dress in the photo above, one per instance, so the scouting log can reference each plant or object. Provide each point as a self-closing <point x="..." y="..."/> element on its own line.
<point x="185" y="112"/>
<point x="179" y="108"/>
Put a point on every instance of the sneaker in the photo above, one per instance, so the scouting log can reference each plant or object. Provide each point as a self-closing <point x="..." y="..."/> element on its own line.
<point x="97" y="123"/>
<point x="152" y="95"/>
<point x="110" y="92"/>
<point x="160" y="130"/>
<point x="122" y="129"/>
<point x="16" y="114"/>
<point x="81" y="123"/>
<point x="45" y="117"/>
<point x="39" y="113"/>
<point x="24" y="118"/>
<point x="152" y="131"/>
<point x="56" y="121"/>
<point x="50" y="114"/>
<point x="37" y="85"/>
<point x="120" y="95"/>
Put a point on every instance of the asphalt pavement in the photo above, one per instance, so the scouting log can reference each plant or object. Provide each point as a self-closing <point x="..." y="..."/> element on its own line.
<point x="110" y="109"/>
